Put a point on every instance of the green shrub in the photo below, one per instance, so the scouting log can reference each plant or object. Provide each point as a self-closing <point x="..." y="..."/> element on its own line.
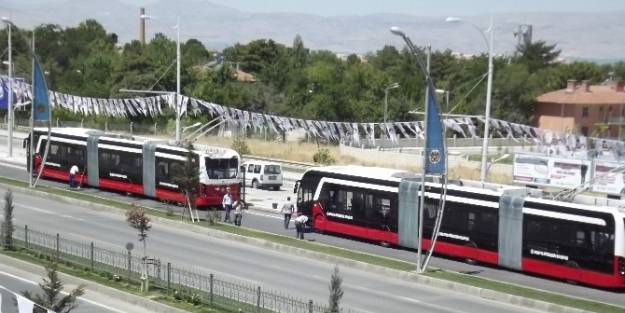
<point x="323" y="157"/>
<point x="240" y="146"/>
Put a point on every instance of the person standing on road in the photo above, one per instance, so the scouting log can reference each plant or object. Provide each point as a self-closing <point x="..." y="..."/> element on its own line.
<point x="72" y="175"/>
<point x="287" y="209"/>
<point x="227" y="205"/>
<point x="300" y="226"/>
<point x="238" y="207"/>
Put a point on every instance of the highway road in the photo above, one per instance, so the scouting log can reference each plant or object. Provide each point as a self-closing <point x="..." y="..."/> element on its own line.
<point x="293" y="275"/>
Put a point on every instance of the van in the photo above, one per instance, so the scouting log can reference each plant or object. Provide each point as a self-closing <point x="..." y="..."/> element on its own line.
<point x="262" y="174"/>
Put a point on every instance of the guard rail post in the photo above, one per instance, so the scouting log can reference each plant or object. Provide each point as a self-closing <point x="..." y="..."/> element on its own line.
<point x="211" y="277"/>
<point x="26" y="237"/>
<point x="129" y="264"/>
<point x="168" y="277"/>
<point x="58" y="248"/>
<point x="91" y="256"/>
<point x="258" y="299"/>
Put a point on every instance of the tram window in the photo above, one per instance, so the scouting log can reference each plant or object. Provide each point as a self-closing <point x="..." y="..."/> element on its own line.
<point x="580" y="238"/>
<point x="54" y="149"/>
<point x="384" y="206"/>
<point x="163" y="170"/>
<point x="369" y="211"/>
<point x="357" y="203"/>
<point x="470" y="220"/>
<point x="344" y="202"/>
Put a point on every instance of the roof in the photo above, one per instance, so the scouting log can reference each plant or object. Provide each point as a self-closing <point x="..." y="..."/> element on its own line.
<point x="366" y="172"/>
<point x="596" y="95"/>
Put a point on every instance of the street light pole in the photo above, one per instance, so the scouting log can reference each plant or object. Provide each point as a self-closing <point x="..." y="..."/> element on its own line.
<point x="489" y="90"/>
<point x="178" y="99"/>
<point x="10" y="104"/>
<point x="389" y="87"/>
<point x="426" y="72"/>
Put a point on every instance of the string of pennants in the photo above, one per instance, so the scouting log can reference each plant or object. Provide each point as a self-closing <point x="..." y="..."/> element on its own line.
<point x="356" y="133"/>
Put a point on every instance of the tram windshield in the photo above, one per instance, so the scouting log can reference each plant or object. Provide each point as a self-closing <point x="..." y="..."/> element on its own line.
<point x="222" y="168"/>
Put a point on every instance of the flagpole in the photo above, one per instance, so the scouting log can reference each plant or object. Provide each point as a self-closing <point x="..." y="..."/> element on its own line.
<point x="425" y="156"/>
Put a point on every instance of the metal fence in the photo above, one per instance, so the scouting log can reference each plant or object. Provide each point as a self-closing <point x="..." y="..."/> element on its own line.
<point x="182" y="283"/>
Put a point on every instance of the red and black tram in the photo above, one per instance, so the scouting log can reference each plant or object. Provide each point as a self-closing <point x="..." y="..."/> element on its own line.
<point x="134" y="165"/>
<point x="494" y="224"/>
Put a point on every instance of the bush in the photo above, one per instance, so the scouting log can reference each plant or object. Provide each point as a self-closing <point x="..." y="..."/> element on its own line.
<point x="240" y="146"/>
<point x="323" y="157"/>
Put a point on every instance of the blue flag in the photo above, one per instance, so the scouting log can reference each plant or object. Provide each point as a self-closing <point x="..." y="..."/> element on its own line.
<point x="434" y="144"/>
<point x="41" y="103"/>
<point x="4" y="95"/>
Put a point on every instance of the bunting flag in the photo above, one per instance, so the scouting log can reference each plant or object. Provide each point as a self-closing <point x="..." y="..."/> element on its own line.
<point x="466" y="127"/>
<point x="24" y="305"/>
<point x="435" y="140"/>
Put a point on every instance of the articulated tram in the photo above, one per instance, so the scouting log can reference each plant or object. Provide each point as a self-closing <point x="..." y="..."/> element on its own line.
<point x="133" y="165"/>
<point x="508" y="226"/>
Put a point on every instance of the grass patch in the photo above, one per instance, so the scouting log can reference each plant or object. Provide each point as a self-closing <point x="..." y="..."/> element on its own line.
<point x="528" y="292"/>
<point x="353" y="255"/>
<point x="106" y="279"/>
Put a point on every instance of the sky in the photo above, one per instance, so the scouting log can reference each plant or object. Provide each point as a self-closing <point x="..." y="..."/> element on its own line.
<point x="419" y="7"/>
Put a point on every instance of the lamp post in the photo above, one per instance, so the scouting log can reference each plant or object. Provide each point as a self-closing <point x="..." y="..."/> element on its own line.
<point x="389" y="87"/>
<point x="489" y="45"/>
<point x="426" y="72"/>
<point x="178" y="100"/>
<point x="177" y="97"/>
<point x="10" y="103"/>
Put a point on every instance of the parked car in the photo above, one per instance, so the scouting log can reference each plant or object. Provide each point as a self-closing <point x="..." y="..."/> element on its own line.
<point x="262" y="174"/>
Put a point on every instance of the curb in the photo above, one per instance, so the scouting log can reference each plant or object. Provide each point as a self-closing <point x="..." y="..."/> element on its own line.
<point x="95" y="287"/>
<point x="483" y="293"/>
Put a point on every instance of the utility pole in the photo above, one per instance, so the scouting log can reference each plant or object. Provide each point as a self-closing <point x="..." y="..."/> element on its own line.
<point x="10" y="104"/>
<point x="178" y="98"/>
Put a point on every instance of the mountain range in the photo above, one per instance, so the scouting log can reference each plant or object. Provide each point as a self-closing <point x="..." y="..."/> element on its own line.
<point x="587" y="36"/>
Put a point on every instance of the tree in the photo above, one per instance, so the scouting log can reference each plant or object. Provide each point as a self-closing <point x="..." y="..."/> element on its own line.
<point x="336" y="291"/>
<point x="141" y="222"/>
<point x="52" y="297"/>
<point x="537" y="55"/>
<point x="187" y="177"/>
<point x="7" y="224"/>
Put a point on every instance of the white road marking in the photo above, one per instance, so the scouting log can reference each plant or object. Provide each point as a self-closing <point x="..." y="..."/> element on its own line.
<point x="265" y="215"/>
<point x="13" y="166"/>
<point x="65" y="293"/>
<point x="32" y="208"/>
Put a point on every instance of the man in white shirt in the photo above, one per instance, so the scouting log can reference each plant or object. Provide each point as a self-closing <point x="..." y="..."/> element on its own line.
<point x="72" y="175"/>
<point x="226" y="203"/>
<point x="287" y="209"/>
<point x="300" y="225"/>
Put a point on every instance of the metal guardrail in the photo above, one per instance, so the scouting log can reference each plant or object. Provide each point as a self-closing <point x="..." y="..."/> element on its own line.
<point x="185" y="284"/>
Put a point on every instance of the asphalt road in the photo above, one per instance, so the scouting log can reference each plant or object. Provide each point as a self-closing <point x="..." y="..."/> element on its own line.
<point x="292" y="275"/>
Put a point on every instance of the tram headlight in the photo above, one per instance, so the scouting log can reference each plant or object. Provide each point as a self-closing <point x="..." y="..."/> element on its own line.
<point x="621" y="266"/>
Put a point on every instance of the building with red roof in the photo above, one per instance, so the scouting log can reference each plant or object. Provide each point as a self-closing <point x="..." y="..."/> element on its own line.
<point x="584" y="109"/>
